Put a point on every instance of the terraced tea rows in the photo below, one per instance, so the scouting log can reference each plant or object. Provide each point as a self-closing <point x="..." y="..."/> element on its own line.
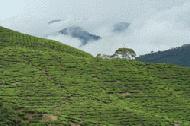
<point x="44" y="82"/>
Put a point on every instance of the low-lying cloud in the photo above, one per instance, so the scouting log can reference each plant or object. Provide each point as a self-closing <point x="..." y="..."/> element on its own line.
<point x="154" y="25"/>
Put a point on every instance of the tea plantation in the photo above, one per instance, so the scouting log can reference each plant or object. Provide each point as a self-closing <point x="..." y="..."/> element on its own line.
<point x="46" y="83"/>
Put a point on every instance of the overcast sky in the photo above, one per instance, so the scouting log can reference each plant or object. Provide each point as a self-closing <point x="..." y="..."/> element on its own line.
<point x="155" y="24"/>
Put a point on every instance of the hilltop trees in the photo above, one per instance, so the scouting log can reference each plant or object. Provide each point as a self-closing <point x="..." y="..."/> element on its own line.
<point x="125" y="53"/>
<point x="121" y="53"/>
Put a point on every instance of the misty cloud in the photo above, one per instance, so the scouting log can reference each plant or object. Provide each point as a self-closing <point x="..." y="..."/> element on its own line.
<point x="54" y="21"/>
<point x="154" y="24"/>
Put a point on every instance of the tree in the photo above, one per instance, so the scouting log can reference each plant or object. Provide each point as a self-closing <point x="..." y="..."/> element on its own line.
<point x="125" y="53"/>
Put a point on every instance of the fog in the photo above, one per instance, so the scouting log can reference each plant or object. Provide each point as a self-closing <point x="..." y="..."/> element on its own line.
<point x="154" y="24"/>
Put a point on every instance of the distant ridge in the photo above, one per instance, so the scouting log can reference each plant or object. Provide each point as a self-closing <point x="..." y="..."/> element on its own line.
<point x="178" y="56"/>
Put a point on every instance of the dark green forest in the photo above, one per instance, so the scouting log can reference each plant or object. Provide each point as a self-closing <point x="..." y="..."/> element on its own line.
<point x="178" y="56"/>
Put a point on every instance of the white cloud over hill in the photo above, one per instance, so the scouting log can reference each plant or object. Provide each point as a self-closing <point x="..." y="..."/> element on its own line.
<point x="154" y="24"/>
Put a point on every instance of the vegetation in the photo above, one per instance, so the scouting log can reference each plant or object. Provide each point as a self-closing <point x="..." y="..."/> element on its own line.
<point x="178" y="56"/>
<point x="43" y="82"/>
<point x="125" y="50"/>
<point x="121" y="53"/>
<point x="126" y="53"/>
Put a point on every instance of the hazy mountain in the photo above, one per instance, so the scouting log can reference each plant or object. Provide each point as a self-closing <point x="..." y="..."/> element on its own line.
<point x="79" y="33"/>
<point x="178" y="56"/>
<point x="121" y="26"/>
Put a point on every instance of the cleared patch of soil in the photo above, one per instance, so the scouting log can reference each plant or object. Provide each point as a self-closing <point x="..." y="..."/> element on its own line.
<point x="49" y="118"/>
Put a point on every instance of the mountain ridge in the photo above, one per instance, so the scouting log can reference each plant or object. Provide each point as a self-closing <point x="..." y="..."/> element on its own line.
<point x="178" y="56"/>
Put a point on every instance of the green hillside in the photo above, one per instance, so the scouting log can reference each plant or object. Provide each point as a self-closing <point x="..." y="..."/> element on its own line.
<point x="178" y="56"/>
<point x="43" y="83"/>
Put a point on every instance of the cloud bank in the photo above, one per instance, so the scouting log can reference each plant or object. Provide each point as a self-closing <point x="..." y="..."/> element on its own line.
<point x="154" y="24"/>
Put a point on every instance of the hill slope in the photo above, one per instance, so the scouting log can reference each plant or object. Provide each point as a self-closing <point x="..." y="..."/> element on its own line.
<point x="43" y="82"/>
<point x="178" y="56"/>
